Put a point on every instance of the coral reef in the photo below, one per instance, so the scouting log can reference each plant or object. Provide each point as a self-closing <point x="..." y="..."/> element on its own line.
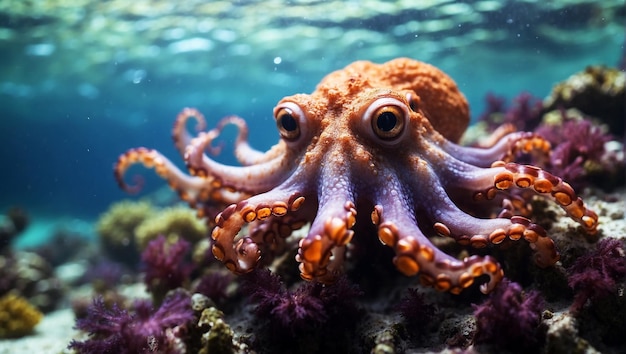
<point x="598" y="91"/>
<point x="30" y="276"/>
<point x="177" y="221"/>
<point x="116" y="228"/>
<point x="217" y="337"/>
<point x="17" y="316"/>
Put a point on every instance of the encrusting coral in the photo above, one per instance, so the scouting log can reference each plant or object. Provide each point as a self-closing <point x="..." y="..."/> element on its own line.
<point x="177" y="221"/>
<point x="217" y="337"/>
<point x="17" y="316"/>
<point x="116" y="228"/>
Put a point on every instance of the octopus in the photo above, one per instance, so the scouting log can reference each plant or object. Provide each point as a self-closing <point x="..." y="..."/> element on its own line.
<point x="374" y="147"/>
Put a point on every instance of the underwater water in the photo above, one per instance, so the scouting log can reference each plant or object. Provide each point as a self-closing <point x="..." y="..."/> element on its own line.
<point x="83" y="81"/>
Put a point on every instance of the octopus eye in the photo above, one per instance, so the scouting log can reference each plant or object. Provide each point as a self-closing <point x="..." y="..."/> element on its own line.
<point x="288" y="117"/>
<point x="388" y="122"/>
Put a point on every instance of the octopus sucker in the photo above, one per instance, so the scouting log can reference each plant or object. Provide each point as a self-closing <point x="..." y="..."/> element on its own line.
<point x="371" y="139"/>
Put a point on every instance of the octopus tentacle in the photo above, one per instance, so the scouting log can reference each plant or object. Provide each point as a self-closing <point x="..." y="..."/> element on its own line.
<point x="487" y="183"/>
<point x="245" y="154"/>
<point x="189" y="188"/>
<point x="478" y="233"/>
<point x="241" y="255"/>
<point x="416" y="254"/>
<point x="273" y="231"/>
<point x="251" y="179"/>
<point x="507" y="175"/>
<point x="193" y="190"/>
<point x="321" y="253"/>
<point x="504" y="149"/>
<point x="180" y="135"/>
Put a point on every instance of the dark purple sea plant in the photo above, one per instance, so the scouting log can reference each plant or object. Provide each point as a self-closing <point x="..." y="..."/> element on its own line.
<point x="138" y="330"/>
<point x="214" y="285"/>
<point x="416" y="311"/>
<point x="510" y="318"/>
<point x="595" y="275"/>
<point x="306" y="307"/>
<point x="166" y="265"/>
<point x="524" y="113"/>
<point x="577" y="146"/>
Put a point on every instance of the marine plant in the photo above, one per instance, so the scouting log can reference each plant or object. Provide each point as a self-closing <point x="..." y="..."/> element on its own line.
<point x="579" y="147"/>
<point x="596" y="274"/>
<point x="165" y="265"/>
<point x="213" y="285"/>
<point x="140" y="329"/>
<point x="416" y="311"/>
<point x="306" y="307"/>
<point x="510" y="318"/>
<point x="524" y="113"/>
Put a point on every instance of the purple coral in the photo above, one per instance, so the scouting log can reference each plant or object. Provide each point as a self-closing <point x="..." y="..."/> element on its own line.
<point x="417" y="313"/>
<point x="309" y="305"/>
<point x="595" y="274"/>
<point x="524" y="113"/>
<point x="510" y="318"/>
<point x="494" y="109"/>
<point x="576" y="143"/>
<point x="165" y="263"/>
<point x="116" y="330"/>
<point x="214" y="286"/>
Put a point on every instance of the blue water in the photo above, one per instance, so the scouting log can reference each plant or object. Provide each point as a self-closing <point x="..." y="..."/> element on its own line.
<point x="70" y="105"/>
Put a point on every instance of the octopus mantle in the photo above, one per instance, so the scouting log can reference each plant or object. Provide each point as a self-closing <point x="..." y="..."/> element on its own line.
<point x="372" y="139"/>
